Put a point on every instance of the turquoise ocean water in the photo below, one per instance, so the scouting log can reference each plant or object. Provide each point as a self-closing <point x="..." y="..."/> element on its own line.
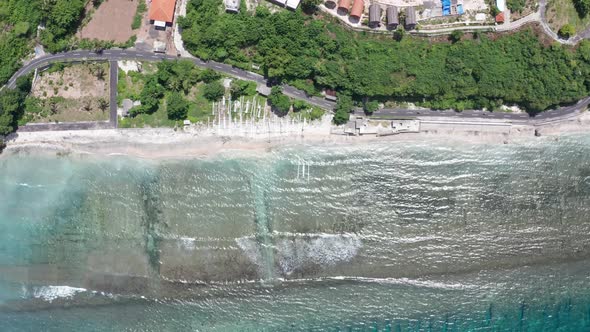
<point x="389" y="236"/>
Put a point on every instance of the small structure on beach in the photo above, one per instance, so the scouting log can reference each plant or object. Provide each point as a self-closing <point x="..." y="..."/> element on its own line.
<point x="392" y="16"/>
<point x="410" y="23"/>
<point x="374" y="15"/>
<point x="358" y="125"/>
<point x="343" y="7"/>
<point x="358" y="7"/>
<point x="232" y="6"/>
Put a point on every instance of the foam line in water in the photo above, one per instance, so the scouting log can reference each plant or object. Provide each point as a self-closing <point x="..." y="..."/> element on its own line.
<point x="50" y="293"/>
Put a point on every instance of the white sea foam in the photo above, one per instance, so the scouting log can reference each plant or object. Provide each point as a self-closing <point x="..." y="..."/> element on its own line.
<point x="407" y="281"/>
<point x="50" y="293"/>
<point x="187" y="243"/>
<point x="293" y="251"/>
<point x="23" y="184"/>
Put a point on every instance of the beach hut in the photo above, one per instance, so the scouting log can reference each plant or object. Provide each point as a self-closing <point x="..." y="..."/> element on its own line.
<point x="358" y="7"/>
<point x="410" y="23"/>
<point x="343" y="7"/>
<point x="374" y="15"/>
<point x="392" y="17"/>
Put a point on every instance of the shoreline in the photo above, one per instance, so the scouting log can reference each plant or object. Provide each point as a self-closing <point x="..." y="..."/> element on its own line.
<point x="202" y="142"/>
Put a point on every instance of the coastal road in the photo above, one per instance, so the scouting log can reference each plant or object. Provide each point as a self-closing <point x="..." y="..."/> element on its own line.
<point x="113" y="55"/>
<point x="523" y="118"/>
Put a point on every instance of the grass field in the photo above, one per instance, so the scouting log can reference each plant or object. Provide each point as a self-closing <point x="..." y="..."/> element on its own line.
<point x="561" y="12"/>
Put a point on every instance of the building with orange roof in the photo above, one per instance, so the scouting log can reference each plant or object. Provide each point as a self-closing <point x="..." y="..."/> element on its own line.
<point x="161" y="13"/>
<point x="500" y="18"/>
<point x="343" y="6"/>
<point x="358" y="7"/>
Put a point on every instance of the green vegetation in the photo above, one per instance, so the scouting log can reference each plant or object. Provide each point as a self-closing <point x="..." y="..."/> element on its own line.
<point x="516" y="5"/>
<point x="582" y="6"/>
<point x="19" y="20"/>
<point x="310" y="6"/>
<point x="279" y="102"/>
<point x="173" y="91"/>
<point x="12" y="105"/>
<point x="99" y="45"/>
<point x="481" y="73"/>
<point x="371" y="106"/>
<point x="213" y="91"/>
<point x="176" y="106"/>
<point x="562" y="12"/>
<point x="141" y="8"/>
<point x="242" y="88"/>
<point x="567" y="31"/>
<point x="456" y="36"/>
<point x="302" y="110"/>
<point x="344" y="106"/>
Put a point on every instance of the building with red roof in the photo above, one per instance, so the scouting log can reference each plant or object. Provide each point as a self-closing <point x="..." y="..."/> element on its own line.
<point x="343" y="6"/>
<point x="358" y="7"/>
<point x="500" y="18"/>
<point x="161" y="13"/>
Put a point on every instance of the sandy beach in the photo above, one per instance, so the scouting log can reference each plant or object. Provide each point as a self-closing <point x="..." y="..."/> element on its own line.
<point x="203" y="142"/>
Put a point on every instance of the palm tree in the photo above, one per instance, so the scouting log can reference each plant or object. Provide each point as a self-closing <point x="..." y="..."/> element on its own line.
<point x="87" y="105"/>
<point x="103" y="104"/>
<point x="98" y="71"/>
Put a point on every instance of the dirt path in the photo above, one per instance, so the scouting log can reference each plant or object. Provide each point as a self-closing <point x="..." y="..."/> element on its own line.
<point x="112" y="21"/>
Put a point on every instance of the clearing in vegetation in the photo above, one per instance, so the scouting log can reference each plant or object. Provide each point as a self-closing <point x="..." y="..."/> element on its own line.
<point x="562" y="12"/>
<point x="172" y="91"/>
<point x="69" y="93"/>
<point x="111" y="21"/>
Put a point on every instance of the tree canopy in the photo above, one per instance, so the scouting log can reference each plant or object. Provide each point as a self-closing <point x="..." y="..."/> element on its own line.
<point x="582" y="7"/>
<point x="344" y="107"/>
<point x="567" y="31"/>
<point x="176" y="106"/>
<point x="19" y="20"/>
<point x="213" y="91"/>
<point x="279" y="102"/>
<point x="12" y="105"/>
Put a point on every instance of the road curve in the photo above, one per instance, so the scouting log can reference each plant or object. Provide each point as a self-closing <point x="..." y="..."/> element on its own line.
<point x="117" y="54"/>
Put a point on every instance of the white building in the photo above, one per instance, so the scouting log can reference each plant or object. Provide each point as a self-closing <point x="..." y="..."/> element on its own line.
<point x="292" y="4"/>
<point x="232" y="6"/>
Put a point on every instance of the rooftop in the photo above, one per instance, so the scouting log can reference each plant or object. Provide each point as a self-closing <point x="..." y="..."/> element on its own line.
<point x="162" y="10"/>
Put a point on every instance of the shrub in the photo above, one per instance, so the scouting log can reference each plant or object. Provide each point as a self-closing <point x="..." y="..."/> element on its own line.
<point x="279" y="102"/>
<point x="567" y="31"/>
<point x="213" y="91"/>
<point x="141" y="8"/>
<point x="176" y="106"/>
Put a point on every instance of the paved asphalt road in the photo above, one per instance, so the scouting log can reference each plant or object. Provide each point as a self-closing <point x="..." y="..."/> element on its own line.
<point x="114" y="55"/>
<point x="113" y="81"/>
